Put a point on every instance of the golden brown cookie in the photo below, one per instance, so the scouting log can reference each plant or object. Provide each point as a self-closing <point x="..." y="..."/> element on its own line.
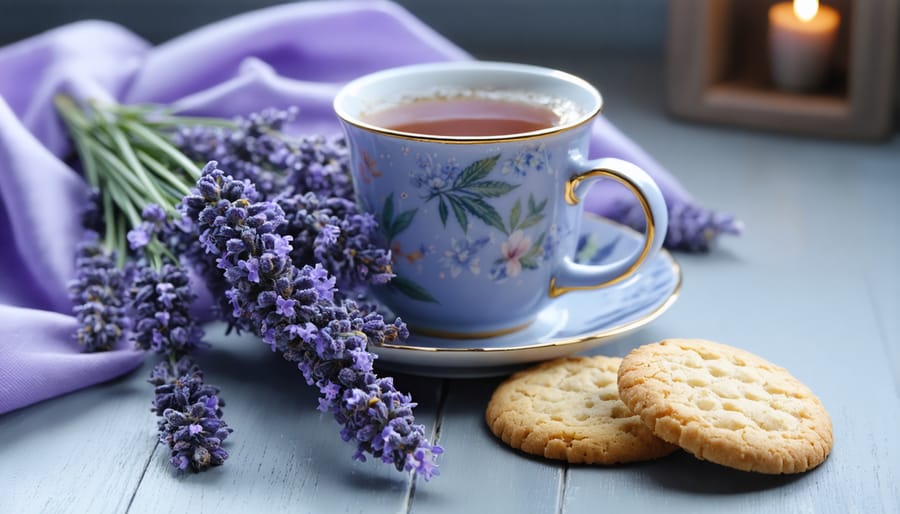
<point x="569" y="409"/>
<point x="726" y="406"/>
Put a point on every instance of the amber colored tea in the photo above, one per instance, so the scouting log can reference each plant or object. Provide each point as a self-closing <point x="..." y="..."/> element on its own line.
<point x="466" y="117"/>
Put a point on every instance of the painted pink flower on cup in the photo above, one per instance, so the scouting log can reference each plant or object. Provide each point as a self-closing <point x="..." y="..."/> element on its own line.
<point x="513" y="250"/>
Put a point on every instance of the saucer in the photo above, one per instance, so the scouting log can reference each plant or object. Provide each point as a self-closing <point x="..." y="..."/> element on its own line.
<point x="572" y="323"/>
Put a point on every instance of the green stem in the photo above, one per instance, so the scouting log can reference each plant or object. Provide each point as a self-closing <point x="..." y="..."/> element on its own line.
<point x="161" y="117"/>
<point x="175" y="197"/>
<point x="163" y="173"/>
<point x="77" y="126"/>
<point x="109" y="235"/>
<point x="70" y="112"/>
<point x="119" y="171"/>
<point x="166" y="147"/>
<point x="88" y="163"/>
<point x="121" y="240"/>
<point x="121" y="199"/>
<point x="131" y="160"/>
<point x="175" y="121"/>
<point x="168" y="253"/>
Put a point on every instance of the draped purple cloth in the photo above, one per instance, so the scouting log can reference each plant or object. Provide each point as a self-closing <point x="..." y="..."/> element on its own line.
<point x="297" y="54"/>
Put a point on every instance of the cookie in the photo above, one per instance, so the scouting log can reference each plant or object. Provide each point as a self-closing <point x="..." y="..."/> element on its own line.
<point x="569" y="409"/>
<point x="726" y="406"/>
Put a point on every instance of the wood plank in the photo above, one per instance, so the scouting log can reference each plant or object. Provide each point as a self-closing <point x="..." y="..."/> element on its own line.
<point x="825" y="333"/>
<point x="285" y="455"/>
<point x="878" y="225"/>
<point x="479" y="473"/>
<point x="82" y="452"/>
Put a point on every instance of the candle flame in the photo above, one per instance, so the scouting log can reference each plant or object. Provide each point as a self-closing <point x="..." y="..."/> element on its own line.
<point x="806" y="9"/>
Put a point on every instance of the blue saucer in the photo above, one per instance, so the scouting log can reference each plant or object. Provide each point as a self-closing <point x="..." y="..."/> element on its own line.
<point x="573" y="323"/>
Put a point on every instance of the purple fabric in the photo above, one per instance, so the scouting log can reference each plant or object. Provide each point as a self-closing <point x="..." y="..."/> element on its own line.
<point x="297" y="54"/>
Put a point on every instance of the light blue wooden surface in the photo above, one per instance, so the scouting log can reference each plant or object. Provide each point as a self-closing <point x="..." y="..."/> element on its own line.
<point x="813" y="285"/>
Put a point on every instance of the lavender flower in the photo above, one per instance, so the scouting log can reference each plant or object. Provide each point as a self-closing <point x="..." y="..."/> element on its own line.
<point x="191" y="412"/>
<point x="257" y="150"/>
<point x="296" y="312"/>
<point x="320" y="165"/>
<point x="332" y="232"/>
<point x="97" y="292"/>
<point x="691" y="227"/>
<point x="161" y="302"/>
<point x="153" y="225"/>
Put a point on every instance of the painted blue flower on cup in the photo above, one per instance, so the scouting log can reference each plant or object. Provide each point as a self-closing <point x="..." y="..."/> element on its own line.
<point x="463" y="254"/>
<point x="533" y="158"/>
<point x="433" y="176"/>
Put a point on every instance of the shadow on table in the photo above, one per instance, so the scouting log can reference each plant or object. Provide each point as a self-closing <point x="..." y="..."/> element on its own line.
<point x="683" y="472"/>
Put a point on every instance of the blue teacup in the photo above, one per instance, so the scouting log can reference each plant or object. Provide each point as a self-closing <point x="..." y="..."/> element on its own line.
<point x="482" y="227"/>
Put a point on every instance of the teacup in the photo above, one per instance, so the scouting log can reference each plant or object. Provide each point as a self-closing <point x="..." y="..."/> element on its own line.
<point x="474" y="171"/>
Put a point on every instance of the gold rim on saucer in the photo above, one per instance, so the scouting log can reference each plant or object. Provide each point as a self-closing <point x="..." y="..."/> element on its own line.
<point x="598" y="335"/>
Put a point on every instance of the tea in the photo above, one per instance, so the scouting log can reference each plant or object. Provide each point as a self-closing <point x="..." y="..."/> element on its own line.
<point x="466" y="117"/>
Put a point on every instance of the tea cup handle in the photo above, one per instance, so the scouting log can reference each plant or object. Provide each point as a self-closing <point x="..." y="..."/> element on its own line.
<point x="572" y="276"/>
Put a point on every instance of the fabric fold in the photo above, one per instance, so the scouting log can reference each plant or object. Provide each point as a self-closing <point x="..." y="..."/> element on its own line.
<point x="294" y="54"/>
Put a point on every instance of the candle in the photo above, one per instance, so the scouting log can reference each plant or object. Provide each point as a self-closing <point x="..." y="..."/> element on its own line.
<point x="801" y="41"/>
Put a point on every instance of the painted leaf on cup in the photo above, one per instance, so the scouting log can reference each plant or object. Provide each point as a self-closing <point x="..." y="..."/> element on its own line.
<point x="475" y="172"/>
<point x="465" y="194"/>
<point x="387" y="212"/>
<point x="392" y="226"/>
<point x="531" y="260"/>
<point x="534" y="215"/>
<point x="403" y="221"/>
<point x="481" y="210"/>
<point x="442" y="210"/>
<point x="410" y="289"/>
<point x="490" y="188"/>
<point x="460" y="212"/>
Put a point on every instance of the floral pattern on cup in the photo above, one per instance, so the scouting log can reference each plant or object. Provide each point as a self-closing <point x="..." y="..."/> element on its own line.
<point x="465" y="192"/>
<point x="461" y="190"/>
<point x="512" y="252"/>
<point x="533" y="158"/>
<point x="463" y="255"/>
<point x="432" y="176"/>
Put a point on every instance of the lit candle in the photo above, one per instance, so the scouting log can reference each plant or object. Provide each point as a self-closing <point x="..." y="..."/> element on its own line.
<point x="801" y="41"/>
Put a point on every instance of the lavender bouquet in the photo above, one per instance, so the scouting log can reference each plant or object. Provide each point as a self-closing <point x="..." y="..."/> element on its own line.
<point x="268" y="223"/>
<point x="270" y="226"/>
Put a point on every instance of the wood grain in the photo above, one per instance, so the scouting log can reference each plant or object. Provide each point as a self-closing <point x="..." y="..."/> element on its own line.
<point x="478" y="472"/>
<point x="82" y="452"/>
<point x="813" y="286"/>
<point x="284" y="454"/>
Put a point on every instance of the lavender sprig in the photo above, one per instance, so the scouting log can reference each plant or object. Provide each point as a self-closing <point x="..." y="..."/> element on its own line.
<point x="333" y="232"/>
<point x="255" y="148"/>
<point x="161" y="300"/>
<point x="691" y="227"/>
<point x="249" y="261"/>
<point x="191" y="422"/>
<point x="97" y="293"/>
<point x="309" y="178"/>
<point x="295" y="311"/>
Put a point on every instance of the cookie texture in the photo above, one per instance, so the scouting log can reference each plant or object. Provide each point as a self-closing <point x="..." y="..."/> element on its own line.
<point x="726" y="405"/>
<point x="569" y="409"/>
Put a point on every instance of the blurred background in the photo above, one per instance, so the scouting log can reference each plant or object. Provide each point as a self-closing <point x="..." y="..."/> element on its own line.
<point x="586" y="37"/>
<point x="486" y="28"/>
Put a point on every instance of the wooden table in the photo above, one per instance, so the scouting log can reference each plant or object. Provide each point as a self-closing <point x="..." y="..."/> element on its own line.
<point x="813" y="285"/>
